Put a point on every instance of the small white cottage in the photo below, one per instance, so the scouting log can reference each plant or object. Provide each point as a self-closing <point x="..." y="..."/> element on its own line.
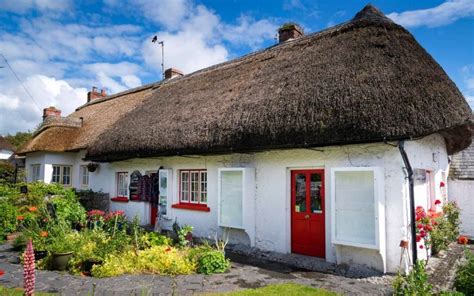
<point x="321" y="145"/>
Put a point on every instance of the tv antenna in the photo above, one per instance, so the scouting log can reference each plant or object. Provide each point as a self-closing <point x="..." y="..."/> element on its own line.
<point x="162" y="43"/>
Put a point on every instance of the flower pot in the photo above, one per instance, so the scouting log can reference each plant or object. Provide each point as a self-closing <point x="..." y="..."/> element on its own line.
<point x="40" y="255"/>
<point x="59" y="260"/>
<point x="89" y="263"/>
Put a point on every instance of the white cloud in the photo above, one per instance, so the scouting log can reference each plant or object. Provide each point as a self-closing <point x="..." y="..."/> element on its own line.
<point x="22" y="6"/>
<point x="131" y="81"/>
<point x="21" y="113"/>
<point x="168" y="13"/>
<point x="249" y="31"/>
<point x="443" y="14"/>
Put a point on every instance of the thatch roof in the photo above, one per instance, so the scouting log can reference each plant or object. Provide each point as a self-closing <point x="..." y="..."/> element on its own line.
<point x="73" y="133"/>
<point x="366" y="80"/>
<point x="4" y="144"/>
<point x="462" y="164"/>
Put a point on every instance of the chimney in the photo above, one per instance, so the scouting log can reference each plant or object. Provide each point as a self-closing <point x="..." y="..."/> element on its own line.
<point x="95" y="94"/>
<point x="289" y="31"/>
<point x="51" y="112"/>
<point x="172" y="73"/>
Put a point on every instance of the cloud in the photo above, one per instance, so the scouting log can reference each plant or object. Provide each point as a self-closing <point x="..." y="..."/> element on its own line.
<point x="443" y="14"/>
<point x="22" y="6"/>
<point x="21" y="113"/>
<point x="168" y="13"/>
<point x="108" y="74"/>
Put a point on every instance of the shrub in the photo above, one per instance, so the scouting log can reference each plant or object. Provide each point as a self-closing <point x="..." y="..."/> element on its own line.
<point x="464" y="281"/>
<point x="445" y="228"/>
<point x="212" y="262"/>
<point x="452" y="213"/>
<point x="8" y="222"/>
<point x="151" y="239"/>
<point x="162" y="260"/>
<point x="69" y="209"/>
<point x="415" y="283"/>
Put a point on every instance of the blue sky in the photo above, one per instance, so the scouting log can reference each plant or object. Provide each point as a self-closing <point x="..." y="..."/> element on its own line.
<point x="60" y="49"/>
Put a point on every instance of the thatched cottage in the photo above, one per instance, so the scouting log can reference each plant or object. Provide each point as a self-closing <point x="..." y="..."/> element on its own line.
<point x="321" y="145"/>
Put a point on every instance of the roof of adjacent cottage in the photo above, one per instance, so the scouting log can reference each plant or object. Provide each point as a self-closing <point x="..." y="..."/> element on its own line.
<point x="366" y="80"/>
<point x="362" y="81"/>
<point x="462" y="164"/>
<point x="5" y="145"/>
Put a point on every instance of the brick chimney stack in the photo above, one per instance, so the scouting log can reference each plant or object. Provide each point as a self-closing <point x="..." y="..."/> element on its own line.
<point x="289" y="31"/>
<point x="95" y="94"/>
<point x="51" y="112"/>
<point x="172" y="73"/>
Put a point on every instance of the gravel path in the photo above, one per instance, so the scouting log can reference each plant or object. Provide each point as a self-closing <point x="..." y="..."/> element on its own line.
<point x="240" y="276"/>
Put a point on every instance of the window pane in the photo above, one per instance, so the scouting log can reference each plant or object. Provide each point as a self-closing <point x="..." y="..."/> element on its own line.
<point x="203" y="188"/>
<point x="300" y="193"/>
<point x="163" y="200"/>
<point x="66" y="175"/>
<point x="231" y="198"/>
<point x="184" y="186"/>
<point x="194" y="186"/>
<point x="56" y="174"/>
<point x="316" y="185"/>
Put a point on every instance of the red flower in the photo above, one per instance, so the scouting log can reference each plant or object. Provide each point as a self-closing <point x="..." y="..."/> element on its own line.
<point x="168" y="249"/>
<point x="428" y="228"/>
<point x="20" y="218"/>
<point x="421" y="247"/>
<point x="95" y="213"/>
<point x="437" y="202"/>
<point x="441" y="184"/>
<point x="462" y="240"/>
<point x="419" y="226"/>
<point x="32" y="209"/>
<point x="418" y="238"/>
<point x="2" y="272"/>
<point x="422" y="233"/>
<point x="43" y="234"/>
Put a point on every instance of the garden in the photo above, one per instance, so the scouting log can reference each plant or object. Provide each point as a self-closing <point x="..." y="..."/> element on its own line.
<point x="66" y="237"/>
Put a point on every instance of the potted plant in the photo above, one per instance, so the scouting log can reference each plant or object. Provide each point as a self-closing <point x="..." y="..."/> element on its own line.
<point x="61" y="250"/>
<point x="92" y="167"/>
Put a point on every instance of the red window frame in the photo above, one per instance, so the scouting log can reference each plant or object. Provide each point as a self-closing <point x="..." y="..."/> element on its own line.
<point x="189" y="204"/>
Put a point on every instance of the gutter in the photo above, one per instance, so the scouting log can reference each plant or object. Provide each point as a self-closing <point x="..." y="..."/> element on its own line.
<point x="411" y="192"/>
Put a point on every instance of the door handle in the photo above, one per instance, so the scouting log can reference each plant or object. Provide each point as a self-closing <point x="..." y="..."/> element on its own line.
<point x="306" y="216"/>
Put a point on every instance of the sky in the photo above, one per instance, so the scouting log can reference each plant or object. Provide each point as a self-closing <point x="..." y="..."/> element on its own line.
<point x="60" y="49"/>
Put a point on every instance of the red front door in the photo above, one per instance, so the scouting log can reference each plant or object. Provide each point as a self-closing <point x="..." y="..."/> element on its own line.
<point x="307" y="213"/>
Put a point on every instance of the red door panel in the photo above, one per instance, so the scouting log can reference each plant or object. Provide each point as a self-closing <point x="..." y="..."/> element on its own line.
<point x="307" y="213"/>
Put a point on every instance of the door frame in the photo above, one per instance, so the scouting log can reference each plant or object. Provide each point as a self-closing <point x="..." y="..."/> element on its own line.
<point x="326" y="208"/>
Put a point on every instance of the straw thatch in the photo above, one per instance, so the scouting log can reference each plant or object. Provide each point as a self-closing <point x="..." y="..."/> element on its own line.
<point x="363" y="81"/>
<point x="73" y="133"/>
<point x="4" y="144"/>
<point x="462" y="164"/>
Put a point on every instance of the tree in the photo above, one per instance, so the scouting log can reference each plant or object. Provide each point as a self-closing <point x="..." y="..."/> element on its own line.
<point x="19" y="138"/>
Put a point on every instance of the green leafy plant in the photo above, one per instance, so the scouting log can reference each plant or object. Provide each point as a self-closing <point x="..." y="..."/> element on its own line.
<point x="151" y="239"/>
<point x="8" y="221"/>
<point x="212" y="262"/>
<point x="182" y="235"/>
<point x="452" y="213"/>
<point x="464" y="281"/>
<point x="445" y="228"/>
<point x="415" y="283"/>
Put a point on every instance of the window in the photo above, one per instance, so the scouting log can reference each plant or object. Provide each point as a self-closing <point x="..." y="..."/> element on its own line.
<point x="231" y="194"/>
<point x="84" y="176"/>
<point x="35" y="172"/>
<point x="122" y="184"/>
<point x="61" y="174"/>
<point x="358" y="212"/>
<point x="193" y="186"/>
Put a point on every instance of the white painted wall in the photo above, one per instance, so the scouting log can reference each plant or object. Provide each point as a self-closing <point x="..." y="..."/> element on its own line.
<point x="462" y="192"/>
<point x="272" y="190"/>
<point x="5" y="154"/>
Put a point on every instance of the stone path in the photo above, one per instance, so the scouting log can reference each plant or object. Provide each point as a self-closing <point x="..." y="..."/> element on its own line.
<point x="240" y="276"/>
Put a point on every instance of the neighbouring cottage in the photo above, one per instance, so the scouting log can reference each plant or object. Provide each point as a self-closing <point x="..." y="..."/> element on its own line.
<point x="461" y="187"/>
<point x="6" y="149"/>
<point x="321" y="145"/>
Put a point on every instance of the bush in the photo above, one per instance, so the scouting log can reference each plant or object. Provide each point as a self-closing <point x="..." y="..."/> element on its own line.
<point x="464" y="281"/>
<point x="8" y="222"/>
<point x="212" y="262"/>
<point x="415" y="283"/>
<point x="452" y="213"/>
<point x="156" y="260"/>
<point x="445" y="228"/>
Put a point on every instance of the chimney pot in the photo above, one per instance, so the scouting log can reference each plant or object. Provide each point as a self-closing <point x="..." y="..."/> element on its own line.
<point x="51" y="112"/>
<point x="289" y="31"/>
<point x="95" y="94"/>
<point x="172" y="73"/>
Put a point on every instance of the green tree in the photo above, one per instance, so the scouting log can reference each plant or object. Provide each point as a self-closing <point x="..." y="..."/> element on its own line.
<point x="19" y="138"/>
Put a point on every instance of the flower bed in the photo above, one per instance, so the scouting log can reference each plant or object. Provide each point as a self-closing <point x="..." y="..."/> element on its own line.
<point x="97" y="243"/>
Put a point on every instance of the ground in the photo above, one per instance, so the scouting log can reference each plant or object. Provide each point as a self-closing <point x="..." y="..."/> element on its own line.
<point x="240" y="276"/>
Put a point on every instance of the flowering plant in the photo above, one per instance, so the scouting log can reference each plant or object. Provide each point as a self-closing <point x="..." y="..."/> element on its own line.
<point x="462" y="240"/>
<point x="95" y="215"/>
<point x="437" y="202"/>
<point x="2" y="272"/>
<point x="423" y="227"/>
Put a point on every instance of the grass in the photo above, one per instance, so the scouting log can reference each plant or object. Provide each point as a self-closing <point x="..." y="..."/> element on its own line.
<point x="19" y="292"/>
<point x="289" y="289"/>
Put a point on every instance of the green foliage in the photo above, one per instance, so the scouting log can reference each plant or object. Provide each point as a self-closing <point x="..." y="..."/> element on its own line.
<point x="452" y="213"/>
<point x="7" y="172"/>
<point x="19" y="138"/>
<point x="445" y="228"/>
<point x="156" y="260"/>
<point x="288" y="289"/>
<point x="212" y="262"/>
<point x="182" y="235"/>
<point x="19" y="292"/>
<point x="464" y="281"/>
<point x="415" y="283"/>
<point x="8" y="222"/>
<point x="69" y="209"/>
<point x="151" y="239"/>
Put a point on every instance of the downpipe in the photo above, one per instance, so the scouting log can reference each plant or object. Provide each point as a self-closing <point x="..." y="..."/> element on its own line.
<point x="411" y="193"/>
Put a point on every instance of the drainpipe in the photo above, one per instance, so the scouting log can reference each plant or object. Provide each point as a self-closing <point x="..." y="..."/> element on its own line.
<point x="411" y="192"/>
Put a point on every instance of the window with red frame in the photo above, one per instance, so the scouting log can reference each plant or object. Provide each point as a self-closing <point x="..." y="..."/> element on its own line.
<point x="193" y="187"/>
<point x="122" y="184"/>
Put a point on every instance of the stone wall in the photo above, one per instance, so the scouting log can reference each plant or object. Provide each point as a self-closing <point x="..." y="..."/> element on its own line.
<point x="94" y="200"/>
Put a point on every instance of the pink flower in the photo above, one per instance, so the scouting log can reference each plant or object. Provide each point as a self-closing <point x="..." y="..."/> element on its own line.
<point x="421" y="247"/>
<point x="441" y="184"/>
<point x="95" y="213"/>
<point x="422" y="233"/>
<point x="29" y="269"/>
<point x="437" y="202"/>
<point x="418" y="238"/>
<point x="419" y="226"/>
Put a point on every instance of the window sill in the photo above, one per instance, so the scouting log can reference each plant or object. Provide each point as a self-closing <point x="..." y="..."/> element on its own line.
<point x="119" y="199"/>
<point x="192" y="207"/>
